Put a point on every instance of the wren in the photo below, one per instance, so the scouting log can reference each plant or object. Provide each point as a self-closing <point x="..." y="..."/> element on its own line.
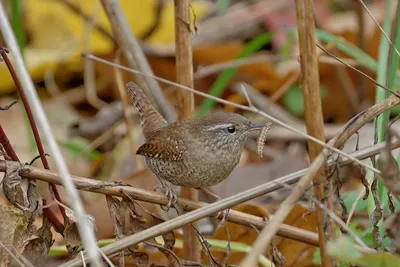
<point x="195" y="152"/>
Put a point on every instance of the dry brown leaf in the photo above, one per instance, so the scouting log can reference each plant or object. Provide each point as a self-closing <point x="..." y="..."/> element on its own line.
<point x="21" y="192"/>
<point x="238" y="233"/>
<point x="118" y="220"/>
<point x="139" y="224"/>
<point x="71" y="233"/>
<point x="36" y="244"/>
<point x="140" y="258"/>
<point x="122" y="164"/>
<point x="392" y="227"/>
<point x="387" y="164"/>
<point x="12" y="226"/>
<point x="216" y="53"/>
<point x="297" y="253"/>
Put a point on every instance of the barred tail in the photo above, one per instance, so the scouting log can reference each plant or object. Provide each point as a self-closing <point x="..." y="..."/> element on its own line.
<point x="139" y="99"/>
<point x="151" y="119"/>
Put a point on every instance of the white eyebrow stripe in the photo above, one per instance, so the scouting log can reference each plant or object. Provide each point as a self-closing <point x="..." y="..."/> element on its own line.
<point x="219" y="126"/>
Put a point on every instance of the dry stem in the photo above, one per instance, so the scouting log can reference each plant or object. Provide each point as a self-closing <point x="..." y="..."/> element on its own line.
<point x="351" y="128"/>
<point x="52" y="187"/>
<point x="185" y="104"/>
<point x="85" y="230"/>
<point x="242" y="107"/>
<point x="125" y="105"/>
<point x="135" y="56"/>
<point x="312" y="112"/>
<point x="234" y="216"/>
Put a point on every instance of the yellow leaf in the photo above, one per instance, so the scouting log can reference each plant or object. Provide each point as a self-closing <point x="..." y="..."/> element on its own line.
<point x="58" y="35"/>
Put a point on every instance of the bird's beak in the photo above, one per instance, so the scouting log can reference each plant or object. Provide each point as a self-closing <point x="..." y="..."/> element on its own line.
<point x="260" y="126"/>
<point x="256" y="127"/>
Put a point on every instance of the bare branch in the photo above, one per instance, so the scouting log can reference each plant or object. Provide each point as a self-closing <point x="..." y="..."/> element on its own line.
<point x="87" y="235"/>
<point x="220" y="100"/>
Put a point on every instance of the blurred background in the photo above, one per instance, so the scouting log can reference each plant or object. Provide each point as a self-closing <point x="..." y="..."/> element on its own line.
<point x="234" y="41"/>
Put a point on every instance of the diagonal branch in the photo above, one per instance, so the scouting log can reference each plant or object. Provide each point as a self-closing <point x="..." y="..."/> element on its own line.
<point x="111" y="189"/>
<point x="242" y="107"/>
<point x="116" y="189"/>
<point x="339" y="140"/>
<point x="135" y="56"/>
<point x="203" y="210"/>
<point x="86" y="234"/>
<point x="53" y="188"/>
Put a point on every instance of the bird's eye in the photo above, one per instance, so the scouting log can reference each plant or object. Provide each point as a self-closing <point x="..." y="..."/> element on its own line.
<point x="231" y="129"/>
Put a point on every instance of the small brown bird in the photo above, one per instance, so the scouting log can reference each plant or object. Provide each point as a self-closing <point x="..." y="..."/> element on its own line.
<point x="196" y="152"/>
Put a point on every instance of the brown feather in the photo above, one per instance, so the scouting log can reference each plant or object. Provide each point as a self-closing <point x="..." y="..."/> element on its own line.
<point x="160" y="149"/>
<point x="150" y="118"/>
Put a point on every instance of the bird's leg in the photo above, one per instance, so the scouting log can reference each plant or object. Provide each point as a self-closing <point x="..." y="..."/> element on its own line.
<point x="168" y="192"/>
<point x="223" y="213"/>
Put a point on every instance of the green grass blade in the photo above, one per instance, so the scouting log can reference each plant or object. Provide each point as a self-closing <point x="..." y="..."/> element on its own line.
<point x="356" y="53"/>
<point x="57" y="251"/>
<point x="17" y="24"/>
<point x="226" y="76"/>
<point x="381" y="94"/>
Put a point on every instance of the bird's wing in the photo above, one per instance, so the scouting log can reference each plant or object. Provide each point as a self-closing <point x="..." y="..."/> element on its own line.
<point x="162" y="149"/>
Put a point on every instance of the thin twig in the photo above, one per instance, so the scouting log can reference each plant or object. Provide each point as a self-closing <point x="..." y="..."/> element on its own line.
<point x="89" y="73"/>
<point x="360" y="72"/>
<point x="266" y="105"/>
<point x="185" y="105"/>
<point x="5" y="142"/>
<point x="244" y="92"/>
<point x="87" y="234"/>
<point x="218" y="67"/>
<point x="362" y="44"/>
<point x="150" y="196"/>
<point x="87" y="18"/>
<point x="101" y="139"/>
<point x="234" y="216"/>
<point x="286" y="206"/>
<point x="53" y="189"/>
<point x="223" y="101"/>
<point x="353" y="207"/>
<point x="116" y="189"/>
<point x="379" y="26"/>
<point x="135" y="56"/>
<point x="7" y="107"/>
<point x="24" y="264"/>
<point x="335" y="217"/>
<point x="125" y="105"/>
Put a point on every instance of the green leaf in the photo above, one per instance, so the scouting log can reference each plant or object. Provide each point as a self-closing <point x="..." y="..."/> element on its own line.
<point x="293" y="99"/>
<point x="226" y="76"/>
<point x="343" y="250"/>
<point x="221" y="245"/>
<point x="356" y="53"/>
<point x="383" y="77"/>
<point x="349" y="199"/>
<point x="78" y="147"/>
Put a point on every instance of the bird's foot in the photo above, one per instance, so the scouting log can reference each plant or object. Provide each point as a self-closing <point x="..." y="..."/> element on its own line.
<point x="224" y="217"/>
<point x="170" y="194"/>
<point x="224" y="213"/>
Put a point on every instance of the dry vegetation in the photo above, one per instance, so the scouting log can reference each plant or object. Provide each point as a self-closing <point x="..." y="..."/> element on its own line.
<point x="318" y="186"/>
